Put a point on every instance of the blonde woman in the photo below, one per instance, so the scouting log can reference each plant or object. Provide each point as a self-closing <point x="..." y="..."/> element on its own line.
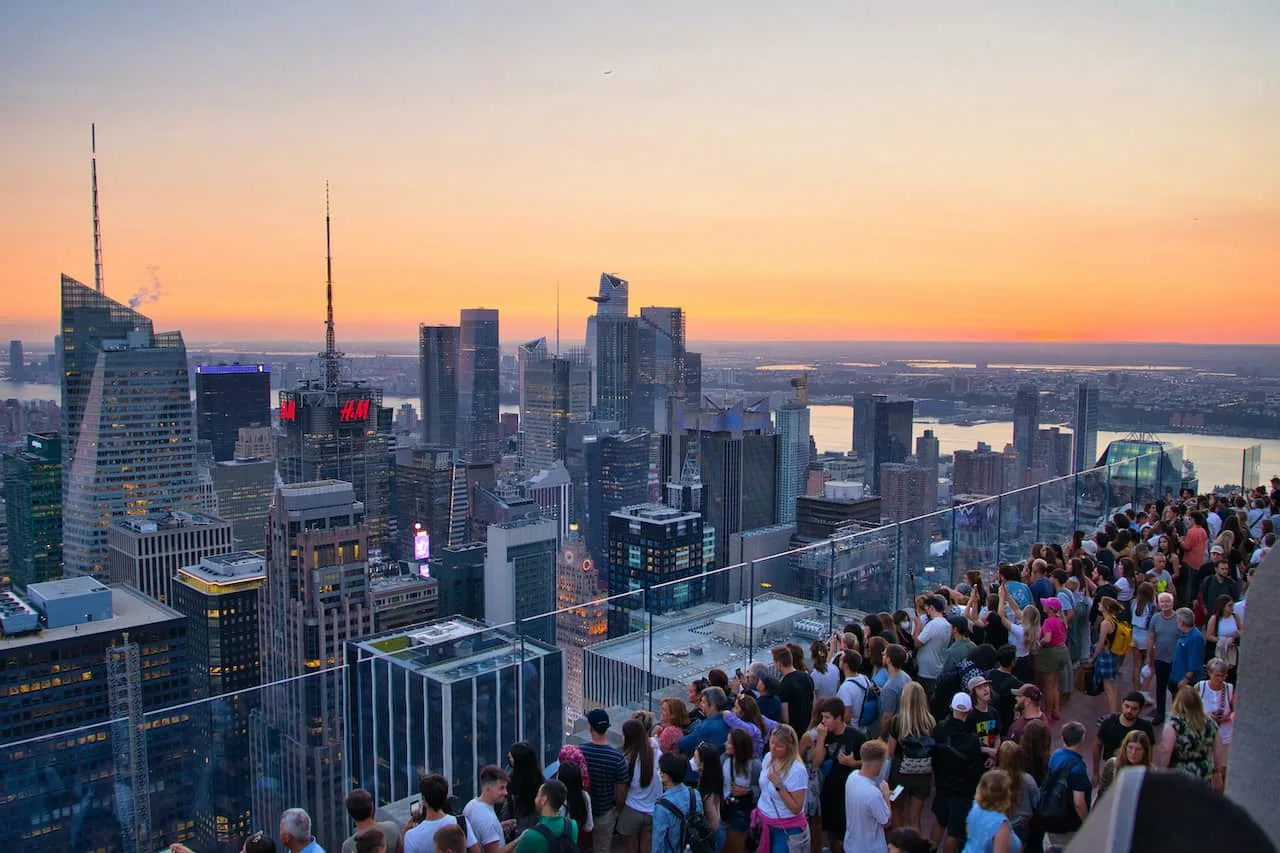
<point x="910" y="742"/>
<point x="1024" y="793"/>
<point x="783" y="784"/>
<point x="988" y="826"/>
<point x="1190" y="742"/>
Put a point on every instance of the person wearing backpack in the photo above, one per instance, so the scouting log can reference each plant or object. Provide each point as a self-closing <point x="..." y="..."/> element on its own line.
<point x="552" y="833"/>
<point x="678" y="819"/>
<point x="1066" y="792"/>
<point x="858" y="694"/>
<point x="1115" y="638"/>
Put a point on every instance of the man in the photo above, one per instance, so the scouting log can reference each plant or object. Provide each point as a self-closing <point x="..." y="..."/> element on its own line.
<point x="1068" y="762"/>
<point x="1162" y="642"/>
<point x="1188" y="654"/>
<point x="796" y="693"/>
<point x="1219" y="583"/>
<point x="546" y="834"/>
<point x="895" y="658"/>
<point x="931" y="637"/>
<point x="767" y="688"/>
<point x="1041" y="584"/>
<point x="1113" y="728"/>
<point x="610" y="777"/>
<point x="961" y="644"/>
<point x="713" y="730"/>
<point x="865" y="805"/>
<point x="1160" y="575"/>
<point x="1004" y="686"/>
<point x="435" y="802"/>
<point x="983" y="720"/>
<point x="1264" y="548"/>
<point x="367" y="841"/>
<point x="360" y="810"/>
<point x="481" y="813"/>
<point x="1027" y="708"/>
<point x="679" y="800"/>
<point x="295" y="832"/>
<point x="835" y="753"/>
<point x="450" y="839"/>
<point x="958" y="764"/>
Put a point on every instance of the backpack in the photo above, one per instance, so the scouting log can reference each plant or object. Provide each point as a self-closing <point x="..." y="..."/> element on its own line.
<point x="870" y="701"/>
<point x="562" y="843"/>
<point x="695" y="833"/>
<point x="1121" y="638"/>
<point x="1056" y="811"/>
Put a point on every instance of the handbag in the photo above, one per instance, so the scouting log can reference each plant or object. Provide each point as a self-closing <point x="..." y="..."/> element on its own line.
<point x="917" y="756"/>
<point x="799" y="842"/>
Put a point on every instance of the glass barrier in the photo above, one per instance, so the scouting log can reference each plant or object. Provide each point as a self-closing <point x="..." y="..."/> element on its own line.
<point x="977" y="536"/>
<point x="1018" y="512"/>
<point x="1055" y="511"/>
<point x="924" y="547"/>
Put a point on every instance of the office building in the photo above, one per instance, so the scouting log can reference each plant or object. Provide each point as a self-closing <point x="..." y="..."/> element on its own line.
<point x="650" y="545"/>
<point x="555" y="390"/>
<point x="1085" y="451"/>
<point x="1026" y="423"/>
<point x="792" y="424"/>
<point x="478" y="362"/>
<point x="520" y="575"/>
<point x="17" y="362"/>
<point x="146" y="551"/>
<point x="76" y="654"/>
<point x="553" y="492"/>
<point x="136" y="450"/>
<point x="927" y="452"/>
<point x="1052" y="457"/>
<point x="228" y="397"/>
<point x="693" y="378"/>
<point x="906" y="491"/>
<point x="33" y="509"/>
<point x="403" y="600"/>
<point x="582" y="620"/>
<point x="459" y="571"/>
<point x="611" y="302"/>
<point x="244" y="488"/>
<point x="424" y="492"/>
<point x="983" y="471"/>
<point x="611" y="342"/>
<point x="659" y="367"/>
<point x="449" y="697"/>
<point x="257" y="442"/>
<point x="617" y="475"/>
<point x="882" y="430"/>
<point x="316" y="599"/>
<point x="843" y="505"/>
<point x="438" y="373"/>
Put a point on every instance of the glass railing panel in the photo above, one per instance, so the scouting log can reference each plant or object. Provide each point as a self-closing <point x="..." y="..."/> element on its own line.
<point x="925" y="551"/>
<point x="867" y="573"/>
<point x="1055" y="511"/>
<point x="1219" y="465"/>
<point x="1092" y="494"/>
<point x="976" y="541"/>
<point x="1019" y="511"/>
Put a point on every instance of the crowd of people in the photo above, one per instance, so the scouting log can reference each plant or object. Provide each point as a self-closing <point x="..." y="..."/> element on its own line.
<point x="950" y="707"/>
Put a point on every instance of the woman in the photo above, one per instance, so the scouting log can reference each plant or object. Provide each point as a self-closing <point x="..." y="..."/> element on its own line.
<point x="1190" y="742"/>
<point x="1076" y="548"/>
<point x="988" y="626"/>
<point x="577" y="805"/>
<point x="1023" y="625"/>
<point x="1106" y="665"/>
<point x="1126" y="584"/>
<point x="783" y="783"/>
<point x="747" y="717"/>
<point x="1144" y="607"/>
<point x="675" y="713"/>
<point x="635" y="820"/>
<point x="1195" y="548"/>
<point x="694" y="700"/>
<point x="1222" y="634"/>
<point x="570" y="754"/>
<point x="826" y="678"/>
<point x="910" y="742"/>
<point x="1219" y="699"/>
<point x="1135" y="751"/>
<point x="522" y="786"/>
<point x="706" y="760"/>
<point x="1013" y="587"/>
<point x="1035" y="742"/>
<point x="1024" y="793"/>
<point x="879" y="673"/>
<point x="1051" y="659"/>
<point x="741" y="771"/>
<point x="987" y="826"/>
<point x="1079" y="620"/>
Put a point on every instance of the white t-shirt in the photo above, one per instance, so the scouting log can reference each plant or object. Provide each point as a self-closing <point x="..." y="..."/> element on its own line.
<point x="865" y="814"/>
<point x="1124" y="590"/>
<point x="826" y="683"/>
<point x="483" y="821"/>
<point x="418" y="839"/>
<point x="770" y="803"/>
<point x="853" y="691"/>
<point x="1017" y="634"/>
<point x="591" y="821"/>
<point x="645" y="799"/>
<point x="933" y="645"/>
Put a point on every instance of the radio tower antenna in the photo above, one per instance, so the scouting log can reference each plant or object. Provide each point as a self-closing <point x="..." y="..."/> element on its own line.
<point x="330" y="357"/>
<point x="557" y="317"/>
<point x="97" y="225"/>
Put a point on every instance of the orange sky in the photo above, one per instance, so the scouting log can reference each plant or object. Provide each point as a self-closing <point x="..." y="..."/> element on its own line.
<point x="1010" y="174"/>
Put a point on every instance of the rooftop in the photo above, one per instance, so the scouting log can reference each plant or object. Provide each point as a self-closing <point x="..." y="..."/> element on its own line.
<point x="221" y="568"/>
<point x="129" y="609"/>
<point x="656" y="512"/>
<point x="156" y="522"/>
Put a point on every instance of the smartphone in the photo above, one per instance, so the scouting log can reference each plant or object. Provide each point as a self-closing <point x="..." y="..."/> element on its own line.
<point x="895" y="793"/>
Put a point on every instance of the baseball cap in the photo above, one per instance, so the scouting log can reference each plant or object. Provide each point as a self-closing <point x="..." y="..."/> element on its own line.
<point x="961" y="702"/>
<point x="1090" y="547"/>
<point x="1217" y="549"/>
<point x="975" y="682"/>
<point x="1051" y="603"/>
<point x="1031" y="692"/>
<point x="598" y="719"/>
<point x="964" y="589"/>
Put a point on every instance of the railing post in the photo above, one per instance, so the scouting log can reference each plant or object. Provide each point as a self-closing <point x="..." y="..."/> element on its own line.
<point x="1000" y="528"/>
<point x="951" y="551"/>
<point x="751" y="612"/>
<point x="831" y="584"/>
<point x="648" y="636"/>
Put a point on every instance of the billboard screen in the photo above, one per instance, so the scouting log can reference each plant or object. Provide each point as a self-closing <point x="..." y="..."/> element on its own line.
<point x="421" y="545"/>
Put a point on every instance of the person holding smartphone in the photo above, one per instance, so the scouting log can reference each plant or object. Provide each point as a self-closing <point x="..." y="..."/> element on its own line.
<point x="866" y="802"/>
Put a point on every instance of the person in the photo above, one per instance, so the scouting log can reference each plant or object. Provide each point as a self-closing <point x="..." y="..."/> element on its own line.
<point x="987" y="825"/>
<point x="481" y="813"/>
<point x="767" y="688"/>
<point x="577" y="803"/>
<point x="1114" y="728"/>
<point x="1106" y="664"/>
<point x="907" y="840"/>
<point x="711" y="785"/>
<point x="826" y="677"/>
<point x="746" y="715"/>
<point x="1025" y="794"/>
<point x="1005" y="686"/>
<point x="1222" y="633"/>
<point x="677" y="802"/>
<point x="1144" y="608"/>
<point x="369" y="840"/>
<point x="855" y="690"/>
<point x="360" y="809"/>
<point x="1162" y="643"/>
<point x="1188" y="655"/>
<point x="1036" y="743"/>
<point x="741" y="772"/>
<point x="1135" y="751"/>
<point x="1218" y="696"/>
<point x="1011" y="584"/>
<point x="449" y="839"/>
<point x="1052" y="657"/>
<point x="835" y="751"/>
<point x="983" y="720"/>
<point x="910" y="742"/>
<point x="1068" y="761"/>
<point x="865" y="807"/>
<point x="931" y="637"/>
<point x="896" y="680"/>
<point x="1219" y="583"/>
<point x="258" y="842"/>
<point x="712" y="728"/>
<point x="522" y="786"/>
<point x="434" y="789"/>
<point x="295" y="832"/>
<point x="551" y="825"/>
<point x="1190" y="742"/>
<point x="1028" y="708"/>
<point x="796" y="692"/>
<point x="783" y="784"/>
<point x="609" y="777"/>
<point x="957" y="766"/>
<point x="635" y="821"/>
<point x="961" y="643"/>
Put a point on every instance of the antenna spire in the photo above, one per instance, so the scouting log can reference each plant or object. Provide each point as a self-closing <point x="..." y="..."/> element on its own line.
<point x="331" y="357"/>
<point x="557" y="317"/>
<point x="97" y="226"/>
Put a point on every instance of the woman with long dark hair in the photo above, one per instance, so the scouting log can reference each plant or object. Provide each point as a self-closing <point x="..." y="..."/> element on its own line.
<point x="522" y="786"/>
<point x="706" y="758"/>
<point x="740" y="770"/>
<point x="635" y="823"/>
<point x="577" y="804"/>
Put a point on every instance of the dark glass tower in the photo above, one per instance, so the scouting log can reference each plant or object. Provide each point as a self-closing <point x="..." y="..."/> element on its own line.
<point x="617" y="475"/>
<point x="1026" y="423"/>
<point x="1085" y="455"/>
<point x="230" y="396"/>
<point x="33" y="509"/>
<point x="478" y="361"/>
<point x="438" y="366"/>
<point x="882" y="429"/>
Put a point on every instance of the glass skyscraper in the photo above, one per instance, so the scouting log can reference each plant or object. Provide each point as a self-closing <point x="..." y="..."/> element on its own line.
<point x="230" y="396"/>
<point x="556" y="390"/>
<point x="33" y="510"/>
<point x="1085" y="454"/>
<point x="438" y="374"/>
<point x="478" y="361"/>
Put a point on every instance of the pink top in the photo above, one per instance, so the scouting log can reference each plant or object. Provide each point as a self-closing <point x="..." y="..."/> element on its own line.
<point x="1193" y="546"/>
<point x="1055" y="631"/>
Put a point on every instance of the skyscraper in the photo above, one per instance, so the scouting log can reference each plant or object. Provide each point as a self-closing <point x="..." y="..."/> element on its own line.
<point x="613" y="356"/>
<point x="882" y="429"/>
<point x="146" y="551"/>
<point x="438" y="368"/>
<point x="927" y="452"/>
<point x="478" y="362"/>
<point x="17" y="362"/>
<point x="1085" y="454"/>
<point x="658" y="374"/>
<point x="520" y="575"/>
<point x="792" y="422"/>
<point x="580" y="622"/>
<point x="555" y="390"/>
<point x="650" y="545"/>
<point x="228" y="397"/>
<point x="133" y="425"/>
<point x="1026" y="423"/>
<point x="33" y="510"/>
<point x="424" y="488"/>
<point x="617" y="475"/>
<point x="906" y="491"/>
<point x="244" y="488"/>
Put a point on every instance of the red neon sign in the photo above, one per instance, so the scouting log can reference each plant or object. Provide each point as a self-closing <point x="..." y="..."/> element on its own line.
<point x="353" y="411"/>
<point x="288" y="410"/>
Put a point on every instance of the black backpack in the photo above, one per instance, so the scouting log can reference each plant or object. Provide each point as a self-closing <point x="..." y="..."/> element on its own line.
<point x="562" y="843"/>
<point x="696" y="835"/>
<point x="1057" y="809"/>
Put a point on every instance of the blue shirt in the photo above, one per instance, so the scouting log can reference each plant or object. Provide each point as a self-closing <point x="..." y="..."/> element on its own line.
<point x="1077" y="776"/>
<point x="313" y="847"/>
<point x="666" y="826"/>
<point x="1019" y="592"/>
<point x="1188" y="656"/>
<point x="608" y="769"/>
<point x="982" y="826"/>
<point x="713" y="730"/>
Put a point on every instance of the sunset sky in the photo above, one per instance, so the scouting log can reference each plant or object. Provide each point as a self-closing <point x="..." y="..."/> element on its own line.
<point x="813" y="171"/>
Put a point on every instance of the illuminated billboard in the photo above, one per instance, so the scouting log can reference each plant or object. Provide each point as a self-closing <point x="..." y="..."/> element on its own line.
<point x="421" y="544"/>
